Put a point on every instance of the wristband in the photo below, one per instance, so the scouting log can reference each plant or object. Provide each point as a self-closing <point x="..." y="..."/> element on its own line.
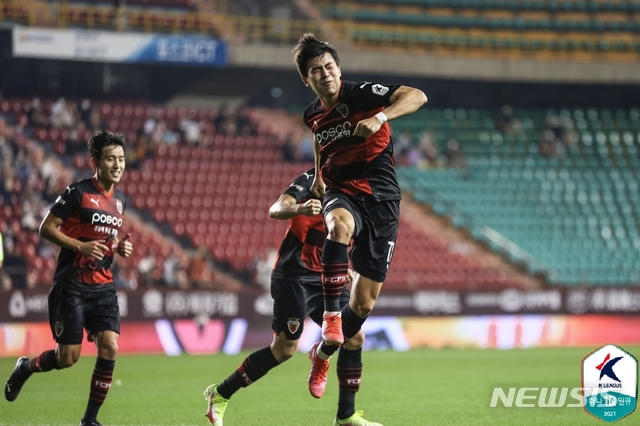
<point x="382" y="117"/>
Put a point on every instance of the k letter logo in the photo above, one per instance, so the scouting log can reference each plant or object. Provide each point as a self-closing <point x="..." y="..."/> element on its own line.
<point x="612" y="375"/>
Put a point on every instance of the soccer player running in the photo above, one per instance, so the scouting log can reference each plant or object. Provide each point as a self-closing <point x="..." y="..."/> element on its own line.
<point x="297" y="293"/>
<point x="84" y="221"/>
<point x="354" y="157"/>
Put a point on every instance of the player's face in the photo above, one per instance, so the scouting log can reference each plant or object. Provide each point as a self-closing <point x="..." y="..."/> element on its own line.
<point x="323" y="76"/>
<point x="111" y="164"/>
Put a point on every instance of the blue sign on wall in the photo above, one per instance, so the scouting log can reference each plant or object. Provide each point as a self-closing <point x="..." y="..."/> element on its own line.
<point x="192" y="50"/>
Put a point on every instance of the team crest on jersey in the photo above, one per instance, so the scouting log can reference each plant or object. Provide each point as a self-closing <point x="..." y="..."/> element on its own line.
<point x="379" y="89"/>
<point x="58" y="328"/>
<point x="119" y="206"/>
<point x="343" y="109"/>
<point x="293" y="324"/>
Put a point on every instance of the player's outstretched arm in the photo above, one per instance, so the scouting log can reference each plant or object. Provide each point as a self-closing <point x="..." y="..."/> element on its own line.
<point x="286" y="208"/>
<point x="405" y="100"/>
<point x="49" y="231"/>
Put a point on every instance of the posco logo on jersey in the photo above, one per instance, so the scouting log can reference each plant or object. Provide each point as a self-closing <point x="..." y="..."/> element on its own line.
<point x="341" y="130"/>
<point x="106" y="219"/>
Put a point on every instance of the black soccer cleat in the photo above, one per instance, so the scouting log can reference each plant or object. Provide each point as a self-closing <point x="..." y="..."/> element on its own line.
<point x="90" y="423"/>
<point x="14" y="383"/>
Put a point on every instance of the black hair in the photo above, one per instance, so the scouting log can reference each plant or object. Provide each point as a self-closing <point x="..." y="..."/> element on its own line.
<point x="102" y="139"/>
<point x="309" y="47"/>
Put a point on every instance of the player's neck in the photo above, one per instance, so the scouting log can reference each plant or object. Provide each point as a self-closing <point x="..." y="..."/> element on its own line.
<point x="327" y="103"/>
<point x="107" y="187"/>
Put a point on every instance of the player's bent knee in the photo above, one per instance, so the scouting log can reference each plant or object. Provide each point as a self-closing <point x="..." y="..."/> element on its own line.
<point x="362" y="309"/>
<point x="339" y="231"/>
<point x="356" y="342"/>
<point x="283" y="348"/>
<point x="287" y="353"/>
<point x="66" y="360"/>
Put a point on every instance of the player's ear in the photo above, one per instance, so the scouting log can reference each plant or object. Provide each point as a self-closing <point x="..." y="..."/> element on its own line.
<point x="94" y="163"/>
<point x="305" y="80"/>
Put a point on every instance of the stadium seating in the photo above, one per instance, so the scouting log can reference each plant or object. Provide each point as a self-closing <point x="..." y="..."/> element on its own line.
<point x="575" y="214"/>
<point x="218" y="196"/>
<point x="582" y="29"/>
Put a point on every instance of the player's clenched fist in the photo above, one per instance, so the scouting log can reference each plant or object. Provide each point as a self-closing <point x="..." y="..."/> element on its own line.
<point x="124" y="247"/>
<point x="310" y="207"/>
<point x="95" y="249"/>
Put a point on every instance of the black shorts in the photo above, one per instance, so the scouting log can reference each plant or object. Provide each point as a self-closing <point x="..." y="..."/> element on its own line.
<point x="70" y="310"/>
<point x="293" y="301"/>
<point x="374" y="238"/>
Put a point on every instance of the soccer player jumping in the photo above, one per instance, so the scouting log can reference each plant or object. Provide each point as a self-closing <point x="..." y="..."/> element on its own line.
<point x="297" y="293"/>
<point x="84" y="221"/>
<point x="354" y="156"/>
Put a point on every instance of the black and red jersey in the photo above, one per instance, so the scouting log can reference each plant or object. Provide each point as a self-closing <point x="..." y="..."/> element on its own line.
<point x="357" y="166"/>
<point x="88" y="214"/>
<point x="299" y="255"/>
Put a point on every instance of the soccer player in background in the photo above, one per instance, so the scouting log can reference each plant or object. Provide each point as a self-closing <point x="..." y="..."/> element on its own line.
<point x="297" y="293"/>
<point x="84" y="221"/>
<point x="357" y="180"/>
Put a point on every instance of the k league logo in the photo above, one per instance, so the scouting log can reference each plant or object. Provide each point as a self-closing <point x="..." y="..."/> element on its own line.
<point x="612" y="374"/>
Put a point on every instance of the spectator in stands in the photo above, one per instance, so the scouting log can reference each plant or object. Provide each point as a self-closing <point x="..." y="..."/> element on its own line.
<point x="547" y="145"/>
<point x="556" y="129"/>
<point x="61" y="114"/>
<point x="191" y="131"/>
<point x="36" y="116"/>
<point x="306" y="147"/>
<point x="199" y="271"/>
<point x="96" y="121"/>
<point x="31" y="209"/>
<point x="456" y="158"/>
<point x="291" y="150"/>
<point x="401" y="144"/>
<point x="74" y="143"/>
<point x="264" y="265"/>
<point x="170" y="268"/>
<point x="5" y="281"/>
<point x="147" y="269"/>
<point x="506" y="122"/>
<point x="428" y="153"/>
<point x="15" y="266"/>
<point x="85" y="110"/>
<point x="140" y="150"/>
<point x="230" y="121"/>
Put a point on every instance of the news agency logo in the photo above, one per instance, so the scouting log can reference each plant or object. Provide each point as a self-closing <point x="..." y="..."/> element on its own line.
<point x="613" y="374"/>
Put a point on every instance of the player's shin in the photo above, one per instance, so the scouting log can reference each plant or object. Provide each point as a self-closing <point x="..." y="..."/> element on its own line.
<point x="349" y="369"/>
<point x="335" y="266"/>
<point x="100" y="385"/>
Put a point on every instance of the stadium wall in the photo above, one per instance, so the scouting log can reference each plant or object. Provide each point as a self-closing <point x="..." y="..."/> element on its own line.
<point x="252" y="71"/>
<point x="203" y="322"/>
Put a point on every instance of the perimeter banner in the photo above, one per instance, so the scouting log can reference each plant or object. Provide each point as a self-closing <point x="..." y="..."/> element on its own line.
<point x="31" y="305"/>
<point x="104" y="46"/>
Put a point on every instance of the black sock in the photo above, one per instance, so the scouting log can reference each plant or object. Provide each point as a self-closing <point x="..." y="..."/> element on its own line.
<point x="44" y="362"/>
<point x="349" y="369"/>
<point x="335" y="265"/>
<point x="252" y="368"/>
<point x="351" y="323"/>
<point x="100" y="385"/>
